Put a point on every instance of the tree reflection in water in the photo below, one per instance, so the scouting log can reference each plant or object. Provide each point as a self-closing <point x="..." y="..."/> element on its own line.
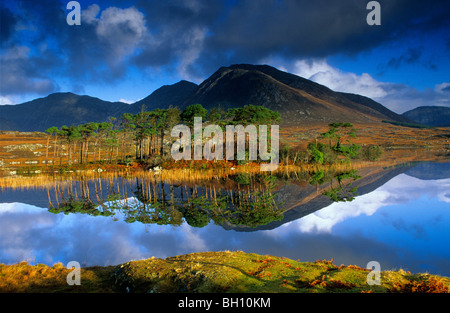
<point x="150" y="201"/>
<point x="241" y="200"/>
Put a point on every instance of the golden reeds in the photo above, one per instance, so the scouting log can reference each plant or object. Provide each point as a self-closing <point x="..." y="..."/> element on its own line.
<point x="184" y="175"/>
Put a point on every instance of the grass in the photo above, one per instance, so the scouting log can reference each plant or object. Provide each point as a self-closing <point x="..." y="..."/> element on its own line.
<point x="170" y="175"/>
<point x="216" y="272"/>
<point x="40" y="278"/>
<point x="28" y="150"/>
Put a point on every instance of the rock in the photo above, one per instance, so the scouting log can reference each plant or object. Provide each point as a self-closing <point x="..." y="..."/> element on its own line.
<point x="157" y="170"/>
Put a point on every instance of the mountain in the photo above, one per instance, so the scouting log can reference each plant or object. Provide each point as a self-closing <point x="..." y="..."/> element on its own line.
<point x="297" y="99"/>
<point x="430" y="115"/>
<point x="430" y="171"/>
<point x="57" y="109"/>
<point x="169" y="95"/>
<point x="298" y="200"/>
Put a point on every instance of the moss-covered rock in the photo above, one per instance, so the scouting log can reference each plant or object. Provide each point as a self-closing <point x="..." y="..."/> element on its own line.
<point x="216" y="272"/>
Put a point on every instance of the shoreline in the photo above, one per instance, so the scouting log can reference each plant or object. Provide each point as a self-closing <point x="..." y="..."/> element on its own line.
<point x="216" y="272"/>
<point x="196" y="173"/>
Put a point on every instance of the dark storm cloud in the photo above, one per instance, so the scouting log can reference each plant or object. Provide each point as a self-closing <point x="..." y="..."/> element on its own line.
<point x="8" y="21"/>
<point x="409" y="57"/>
<point x="177" y="32"/>
<point x="27" y="60"/>
<point x="217" y="33"/>
<point x="98" y="49"/>
<point x="46" y="48"/>
<point x="258" y="29"/>
<point x="293" y="27"/>
<point x="250" y="31"/>
<point x="412" y="56"/>
<point x="23" y="73"/>
<point x="195" y="37"/>
<point x="42" y="19"/>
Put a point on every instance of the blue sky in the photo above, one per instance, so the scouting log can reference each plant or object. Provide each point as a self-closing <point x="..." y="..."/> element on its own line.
<point x="124" y="50"/>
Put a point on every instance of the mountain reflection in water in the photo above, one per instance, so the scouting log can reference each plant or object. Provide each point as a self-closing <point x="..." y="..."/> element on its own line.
<point x="375" y="214"/>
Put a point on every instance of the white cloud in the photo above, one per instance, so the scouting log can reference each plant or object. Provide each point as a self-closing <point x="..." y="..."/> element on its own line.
<point x="442" y="88"/>
<point x="397" y="97"/>
<point x="188" y="56"/>
<point x="18" y="74"/>
<point x="118" y="30"/>
<point x="5" y="100"/>
<point x="400" y="190"/>
<point x="192" y="240"/>
<point x="323" y="220"/>
<point x="321" y="72"/>
<point x="126" y="101"/>
<point x="401" y="98"/>
<point x="90" y="14"/>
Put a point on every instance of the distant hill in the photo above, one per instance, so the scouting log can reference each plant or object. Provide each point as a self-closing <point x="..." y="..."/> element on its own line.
<point x="430" y="171"/>
<point x="430" y="115"/>
<point x="57" y="109"/>
<point x="297" y="99"/>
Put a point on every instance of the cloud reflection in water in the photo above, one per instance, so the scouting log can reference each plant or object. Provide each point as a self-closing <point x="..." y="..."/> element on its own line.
<point x="404" y="224"/>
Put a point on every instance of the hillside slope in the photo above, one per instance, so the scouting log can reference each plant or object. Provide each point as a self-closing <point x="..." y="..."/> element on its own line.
<point x="298" y="100"/>
<point x="57" y="109"/>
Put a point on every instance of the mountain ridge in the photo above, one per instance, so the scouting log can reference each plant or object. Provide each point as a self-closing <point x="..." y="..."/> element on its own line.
<point x="167" y="95"/>
<point x="57" y="109"/>
<point x="437" y="116"/>
<point x="297" y="99"/>
<point x="294" y="97"/>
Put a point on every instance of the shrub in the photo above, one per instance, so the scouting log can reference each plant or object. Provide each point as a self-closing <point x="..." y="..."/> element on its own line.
<point x="322" y="153"/>
<point x="431" y="285"/>
<point x="242" y="179"/>
<point x="351" y="151"/>
<point x="372" y="153"/>
<point x="317" y="156"/>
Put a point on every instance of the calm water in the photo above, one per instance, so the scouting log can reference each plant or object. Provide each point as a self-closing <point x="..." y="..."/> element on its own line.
<point x="400" y="218"/>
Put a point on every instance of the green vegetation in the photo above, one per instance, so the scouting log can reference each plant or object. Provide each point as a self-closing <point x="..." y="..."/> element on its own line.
<point x="143" y="141"/>
<point x="192" y="111"/>
<point x="412" y="125"/>
<point x="343" y="192"/>
<point x="168" y="204"/>
<point x="335" y="150"/>
<point x="372" y="153"/>
<point x="253" y="114"/>
<point x="217" y="272"/>
<point x="143" y="135"/>
<point x="337" y="133"/>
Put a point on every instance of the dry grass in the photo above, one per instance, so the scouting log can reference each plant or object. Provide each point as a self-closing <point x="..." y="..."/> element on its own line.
<point x="422" y="284"/>
<point x="25" y="278"/>
<point x="407" y="144"/>
<point x="217" y="272"/>
<point x="185" y="175"/>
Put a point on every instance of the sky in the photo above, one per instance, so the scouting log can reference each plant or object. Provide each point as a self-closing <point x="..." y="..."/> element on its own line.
<point x="124" y="50"/>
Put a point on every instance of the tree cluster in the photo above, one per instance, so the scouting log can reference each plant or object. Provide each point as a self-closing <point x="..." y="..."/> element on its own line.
<point x="143" y="135"/>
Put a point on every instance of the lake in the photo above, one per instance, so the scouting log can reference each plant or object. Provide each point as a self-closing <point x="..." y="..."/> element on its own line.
<point x="397" y="216"/>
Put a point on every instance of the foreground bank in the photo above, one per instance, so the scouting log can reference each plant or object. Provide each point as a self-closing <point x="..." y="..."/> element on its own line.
<point x="215" y="272"/>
